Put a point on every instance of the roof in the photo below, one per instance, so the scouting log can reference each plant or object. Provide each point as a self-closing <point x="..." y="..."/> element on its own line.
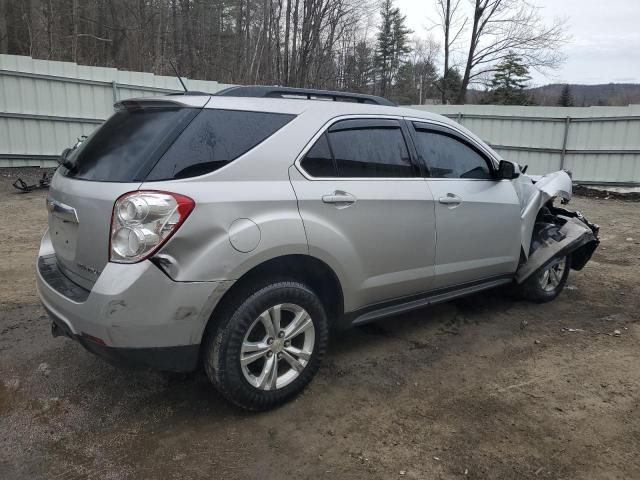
<point x="321" y="108"/>
<point x="292" y="106"/>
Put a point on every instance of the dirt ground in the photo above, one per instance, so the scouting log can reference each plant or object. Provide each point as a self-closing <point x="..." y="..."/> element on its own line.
<point x="483" y="387"/>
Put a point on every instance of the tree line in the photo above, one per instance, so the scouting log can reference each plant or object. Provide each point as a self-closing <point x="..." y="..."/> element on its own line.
<point x="356" y="45"/>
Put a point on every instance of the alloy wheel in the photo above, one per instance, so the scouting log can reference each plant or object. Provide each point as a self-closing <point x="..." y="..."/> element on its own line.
<point x="277" y="346"/>
<point x="552" y="276"/>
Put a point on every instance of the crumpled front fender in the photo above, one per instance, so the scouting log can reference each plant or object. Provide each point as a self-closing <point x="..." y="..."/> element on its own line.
<point x="560" y="233"/>
<point x="534" y="192"/>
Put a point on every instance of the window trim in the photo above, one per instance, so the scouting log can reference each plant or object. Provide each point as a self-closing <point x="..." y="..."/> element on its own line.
<point x="325" y="129"/>
<point x="441" y="127"/>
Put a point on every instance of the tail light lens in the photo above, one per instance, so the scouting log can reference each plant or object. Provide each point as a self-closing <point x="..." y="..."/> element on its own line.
<point x="143" y="221"/>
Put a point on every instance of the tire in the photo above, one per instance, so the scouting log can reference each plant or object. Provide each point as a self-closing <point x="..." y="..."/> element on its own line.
<point x="547" y="283"/>
<point x="243" y="332"/>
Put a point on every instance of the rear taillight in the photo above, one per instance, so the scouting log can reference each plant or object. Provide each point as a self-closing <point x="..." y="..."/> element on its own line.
<point x="144" y="220"/>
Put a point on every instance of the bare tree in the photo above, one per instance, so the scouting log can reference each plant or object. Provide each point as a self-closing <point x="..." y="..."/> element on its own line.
<point x="309" y="43"/>
<point x="504" y="26"/>
<point x="452" y="27"/>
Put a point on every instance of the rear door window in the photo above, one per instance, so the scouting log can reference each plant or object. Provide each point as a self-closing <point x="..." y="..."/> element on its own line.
<point x="447" y="156"/>
<point x="214" y="139"/>
<point x="318" y="161"/>
<point x="370" y="149"/>
<point x="128" y="143"/>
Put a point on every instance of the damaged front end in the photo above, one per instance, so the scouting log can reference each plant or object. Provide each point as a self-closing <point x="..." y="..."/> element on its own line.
<point x="559" y="233"/>
<point x="551" y="232"/>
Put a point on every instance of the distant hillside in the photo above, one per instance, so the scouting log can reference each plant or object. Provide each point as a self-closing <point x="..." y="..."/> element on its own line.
<point x="611" y="94"/>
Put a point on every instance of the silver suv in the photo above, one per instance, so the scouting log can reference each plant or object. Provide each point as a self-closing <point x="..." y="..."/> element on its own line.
<point x="236" y="231"/>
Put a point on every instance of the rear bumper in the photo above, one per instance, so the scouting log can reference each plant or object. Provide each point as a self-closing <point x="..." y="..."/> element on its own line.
<point x="182" y="358"/>
<point x="139" y="313"/>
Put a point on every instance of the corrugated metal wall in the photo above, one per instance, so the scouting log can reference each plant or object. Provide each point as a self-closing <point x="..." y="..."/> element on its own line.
<point x="598" y="144"/>
<point x="45" y="106"/>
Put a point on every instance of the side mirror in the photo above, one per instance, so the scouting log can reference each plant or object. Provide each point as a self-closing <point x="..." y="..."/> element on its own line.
<point x="507" y="171"/>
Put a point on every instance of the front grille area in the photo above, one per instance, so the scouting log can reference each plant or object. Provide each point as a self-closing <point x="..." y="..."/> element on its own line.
<point x="48" y="267"/>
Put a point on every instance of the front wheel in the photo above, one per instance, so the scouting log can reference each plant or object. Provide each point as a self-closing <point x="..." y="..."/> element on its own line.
<point x="268" y="348"/>
<point x="547" y="283"/>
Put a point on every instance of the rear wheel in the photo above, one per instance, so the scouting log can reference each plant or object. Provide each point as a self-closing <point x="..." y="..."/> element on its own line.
<point x="268" y="347"/>
<point x="547" y="283"/>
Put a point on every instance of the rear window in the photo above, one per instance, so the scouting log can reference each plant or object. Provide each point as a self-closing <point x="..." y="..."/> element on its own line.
<point x="127" y="145"/>
<point x="214" y="139"/>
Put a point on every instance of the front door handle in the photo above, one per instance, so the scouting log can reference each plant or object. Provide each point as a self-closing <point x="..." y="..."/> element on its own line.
<point x="339" y="199"/>
<point x="451" y="200"/>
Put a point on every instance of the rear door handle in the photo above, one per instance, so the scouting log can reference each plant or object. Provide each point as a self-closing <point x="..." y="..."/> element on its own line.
<point x="450" y="199"/>
<point x="339" y="198"/>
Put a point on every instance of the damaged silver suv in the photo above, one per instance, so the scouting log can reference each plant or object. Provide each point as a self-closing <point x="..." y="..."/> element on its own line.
<point x="236" y="231"/>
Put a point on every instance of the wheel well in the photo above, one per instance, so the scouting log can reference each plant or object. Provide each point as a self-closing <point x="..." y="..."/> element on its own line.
<point x="314" y="273"/>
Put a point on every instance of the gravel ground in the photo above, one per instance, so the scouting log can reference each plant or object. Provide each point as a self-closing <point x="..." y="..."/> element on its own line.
<point x="483" y="387"/>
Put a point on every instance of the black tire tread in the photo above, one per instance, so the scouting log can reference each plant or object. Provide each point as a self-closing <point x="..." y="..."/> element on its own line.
<point x="231" y="328"/>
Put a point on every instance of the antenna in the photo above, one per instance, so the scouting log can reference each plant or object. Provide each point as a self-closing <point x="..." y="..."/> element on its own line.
<point x="178" y="75"/>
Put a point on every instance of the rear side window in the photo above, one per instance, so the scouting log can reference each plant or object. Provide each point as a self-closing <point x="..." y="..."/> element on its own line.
<point x="128" y="143"/>
<point x="319" y="161"/>
<point x="371" y="152"/>
<point x="360" y="148"/>
<point x="214" y="139"/>
<point x="448" y="157"/>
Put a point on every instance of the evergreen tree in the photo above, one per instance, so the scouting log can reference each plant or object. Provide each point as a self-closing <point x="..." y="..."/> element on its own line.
<point x="415" y="82"/>
<point x="566" y="98"/>
<point x="509" y="82"/>
<point x="453" y="84"/>
<point x="392" y="44"/>
<point x="405" y="92"/>
<point x="358" y="69"/>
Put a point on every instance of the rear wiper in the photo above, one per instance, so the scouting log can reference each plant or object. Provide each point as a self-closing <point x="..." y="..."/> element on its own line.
<point x="63" y="159"/>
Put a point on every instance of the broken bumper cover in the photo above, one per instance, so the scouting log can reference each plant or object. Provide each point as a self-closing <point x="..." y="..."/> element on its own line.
<point x="576" y="237"/>
<point x="133" y="314"/>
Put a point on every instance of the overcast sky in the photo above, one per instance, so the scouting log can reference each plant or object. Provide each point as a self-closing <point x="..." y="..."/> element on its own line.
<point x="605" y="43"/>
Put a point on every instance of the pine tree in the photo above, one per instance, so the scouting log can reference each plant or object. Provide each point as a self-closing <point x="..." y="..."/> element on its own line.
<point x="392" y="44"/>
<point x="450" y="84"/>
<point x="509" y="82"/>
<point x="415" y="81"/>
<point x="405" y="92"/>
<point x="566" y="98"/>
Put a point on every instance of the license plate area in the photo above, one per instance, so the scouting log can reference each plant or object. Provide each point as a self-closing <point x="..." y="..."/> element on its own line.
<point x="64" y="235"/>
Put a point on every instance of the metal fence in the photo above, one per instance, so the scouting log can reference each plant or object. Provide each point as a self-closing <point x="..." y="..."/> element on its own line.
<point x="45" y="106"/>
<point x="598" y="144"/>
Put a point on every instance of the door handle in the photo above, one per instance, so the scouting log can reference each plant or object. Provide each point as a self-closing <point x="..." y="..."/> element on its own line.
<point x="450" y="199"/>
<point x="339" y="198"/>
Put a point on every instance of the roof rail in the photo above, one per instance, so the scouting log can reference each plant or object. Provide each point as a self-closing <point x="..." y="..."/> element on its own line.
<point x="307" y="93"/>
<point x="189" y="93"/>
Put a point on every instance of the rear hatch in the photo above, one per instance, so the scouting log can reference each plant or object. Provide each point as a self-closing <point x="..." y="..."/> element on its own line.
<point x="114" y="160"/>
